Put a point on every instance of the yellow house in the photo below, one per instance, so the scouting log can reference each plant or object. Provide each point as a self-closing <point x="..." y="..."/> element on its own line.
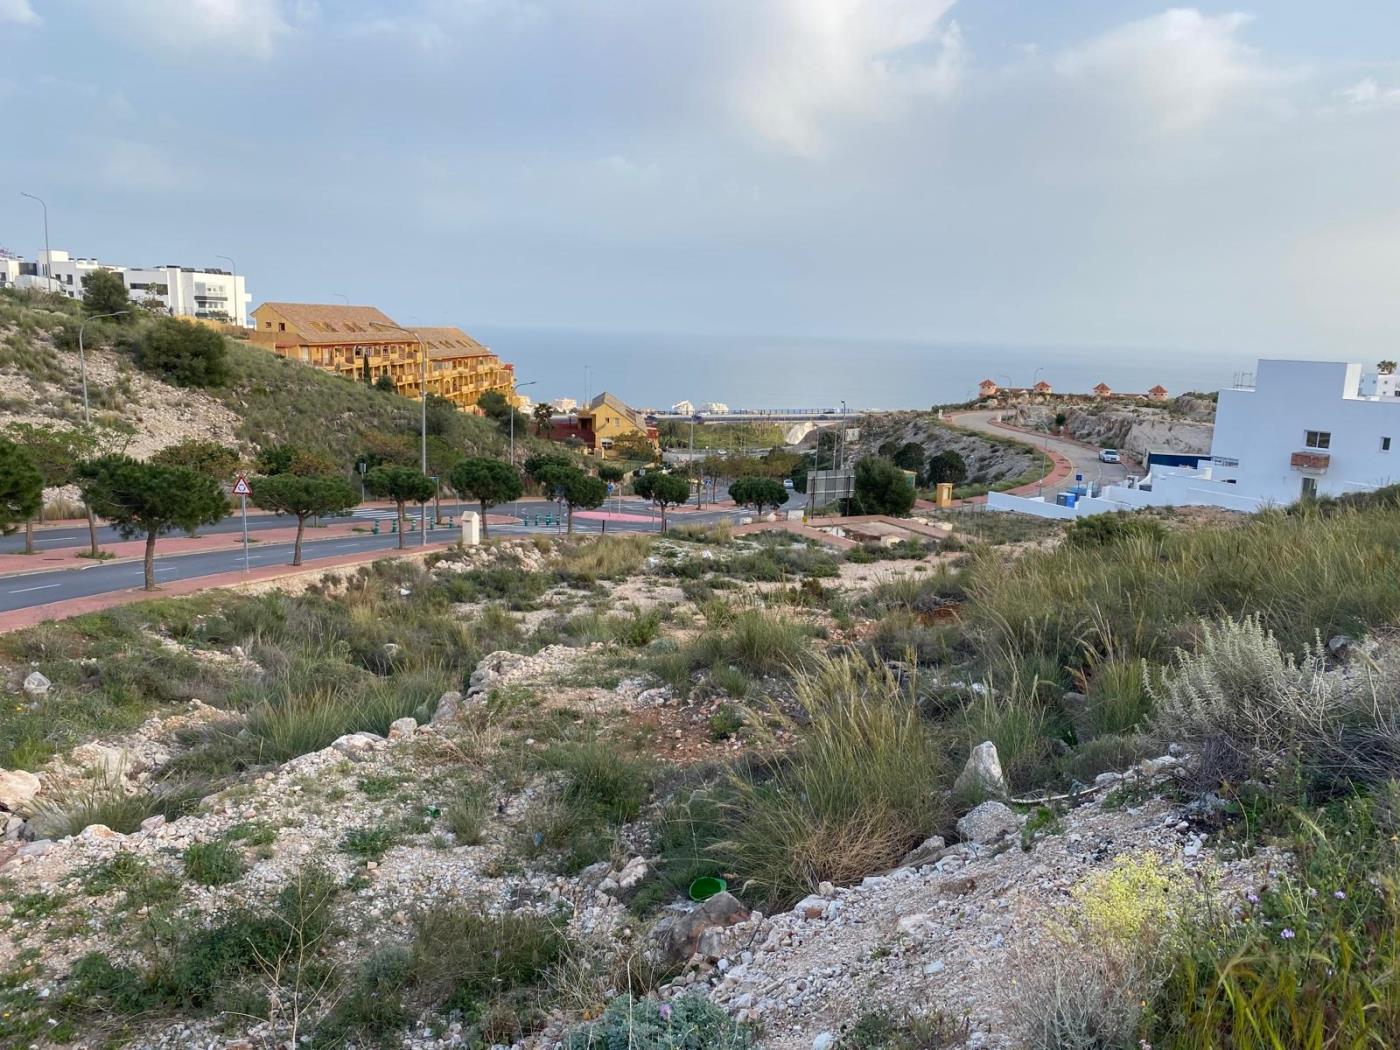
<point x="363" y="343"/>
<point x="602" y="421"/>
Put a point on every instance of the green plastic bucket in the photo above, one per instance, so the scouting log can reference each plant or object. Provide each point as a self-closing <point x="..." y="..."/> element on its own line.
<point x="705" y="887"/>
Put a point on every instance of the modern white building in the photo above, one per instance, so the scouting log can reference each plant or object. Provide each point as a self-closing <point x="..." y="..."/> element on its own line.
<point x="182" y="291"/>
<point x="683" y="408"/>
<point x="1298" y="429"/>
<point x="714" y="408"/>
<point x="564" y="405"/>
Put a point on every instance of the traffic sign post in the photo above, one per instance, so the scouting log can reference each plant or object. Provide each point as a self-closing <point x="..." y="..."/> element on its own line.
<point x="243" y="490"/>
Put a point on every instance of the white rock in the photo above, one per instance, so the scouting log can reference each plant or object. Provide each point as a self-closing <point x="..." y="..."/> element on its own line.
<point x="824" y="1041"/>
<point x="982" y="774"/>
<point x="36" y="684"/>
<point x="449" y="706"/>
<point x="152" y="823"/>
<point x="403" y="728"/>
<point x="17" y="790"/>
<point x="98" y="833"/>
<point x="357" y="743"/>
<point x="988" y="823"/>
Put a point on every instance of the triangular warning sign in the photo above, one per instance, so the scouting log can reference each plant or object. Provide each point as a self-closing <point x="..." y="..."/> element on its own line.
<point x="241" y="487"/>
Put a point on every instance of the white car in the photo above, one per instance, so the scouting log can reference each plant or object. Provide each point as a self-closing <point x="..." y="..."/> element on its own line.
<point x="1108" y="455"/>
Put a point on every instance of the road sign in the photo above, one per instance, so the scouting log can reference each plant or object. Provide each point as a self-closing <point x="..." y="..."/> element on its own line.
<point x="241" y="487"/>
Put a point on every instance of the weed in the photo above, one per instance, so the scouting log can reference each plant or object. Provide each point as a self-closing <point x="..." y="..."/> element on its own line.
<point x="370" y="843"/>
<point x="213" y="863"/>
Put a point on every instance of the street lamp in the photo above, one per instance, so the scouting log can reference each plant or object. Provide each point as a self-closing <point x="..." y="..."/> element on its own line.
<point x="696" y="418"/>
<point x="518" y="386"/>
<point x="48" y="252"/>
<point x="87" y="412"/>
<point x="237" y="315"/>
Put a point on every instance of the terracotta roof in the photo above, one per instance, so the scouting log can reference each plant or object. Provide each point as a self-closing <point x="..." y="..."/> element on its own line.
<point x="446" y="342"/>
<point x="1042" y="385"/>
<point x="1158" y="389"/>
<point x="1102" y="388"/>
<point x="326" y="323"/>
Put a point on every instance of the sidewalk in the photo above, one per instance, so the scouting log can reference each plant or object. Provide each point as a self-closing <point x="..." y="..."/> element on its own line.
<point x="21" y="618"/>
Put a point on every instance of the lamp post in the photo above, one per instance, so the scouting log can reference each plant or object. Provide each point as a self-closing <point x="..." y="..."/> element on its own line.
<point x="342" y="295"/>
<point x="87" y="412"/>
<point x="691" y="464"/>
<point x="48" y="252"/>
<point x="518" y="386"/>
<point x="233" y="294"/>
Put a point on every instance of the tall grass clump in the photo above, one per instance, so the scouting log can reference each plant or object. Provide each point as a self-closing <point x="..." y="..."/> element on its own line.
<point x="860" y="787"/>
<point x="604" y="558"/>
<point x="753" y="641"/>
<point x="1140" y="596"/>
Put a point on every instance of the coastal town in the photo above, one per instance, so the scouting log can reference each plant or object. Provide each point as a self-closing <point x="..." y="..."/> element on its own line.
<point x="785" y="526"/>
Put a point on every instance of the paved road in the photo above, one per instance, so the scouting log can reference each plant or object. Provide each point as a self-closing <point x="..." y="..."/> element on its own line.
<point x="1085" y="460"/>
<point x="40" y="588"/>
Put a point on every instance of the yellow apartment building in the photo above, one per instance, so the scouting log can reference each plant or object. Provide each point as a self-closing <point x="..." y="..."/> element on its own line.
<point x="363" y="343"/>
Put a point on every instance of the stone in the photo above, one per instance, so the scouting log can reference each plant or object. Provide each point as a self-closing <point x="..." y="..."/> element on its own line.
<point x="678" y="936"/>
<point x="449" y="708"/>
<point x="37" y="848"/>
<point x="491" y="669"/>
<point x="982" y="774"/>
<point x="926" y="852"/>
<point x="99" y="833"/>
<point x="392" y="649"/>
<point x="17" y="790"/>
<point x="1081" y="717"/>
<point x="110" y="763"/>
<point x="152" y="823"/>
<point x="630" y="878"/>
<point x="824" y="1041"/>
<point x="13" y="826"/>
<point x="988" y="823"/>
<point x="1151" y="767"/>
<point x="357" y="743"/>
<point x="403" y="728"/>
<point x="36" y="685"/>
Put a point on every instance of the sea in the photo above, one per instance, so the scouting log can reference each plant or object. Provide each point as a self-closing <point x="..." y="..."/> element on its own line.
<point x="656" y="370"/>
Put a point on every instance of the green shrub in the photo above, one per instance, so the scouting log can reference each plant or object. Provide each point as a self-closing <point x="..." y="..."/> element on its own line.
<point x="370" y="843"/>
<point x="688" y="1022"/>
<point x="862" y="784"/>
<point x="1118" y="698"/>
<point x="889" y="1030"/>
<point x="463" y="960"/>
<point x="467" y="813"/>
<point x="182" y="353"/>
<point x="213" y="863"/>
<point x="1101" y="530"/>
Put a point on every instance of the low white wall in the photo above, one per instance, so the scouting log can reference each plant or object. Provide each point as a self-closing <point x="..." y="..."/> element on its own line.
<point x="1027" y="505"/>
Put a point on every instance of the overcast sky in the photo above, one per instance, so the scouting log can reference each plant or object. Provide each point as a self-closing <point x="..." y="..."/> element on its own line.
<point x="1076" y="171"/>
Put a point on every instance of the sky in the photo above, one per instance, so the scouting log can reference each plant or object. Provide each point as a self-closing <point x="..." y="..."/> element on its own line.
<point x="1086" y="172"/>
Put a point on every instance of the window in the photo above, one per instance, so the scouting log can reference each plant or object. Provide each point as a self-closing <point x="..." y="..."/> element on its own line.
<point x="267" y="324"/>
<point x="1385" y="444"/>
<point x="1309" y="488"/>
<point x="1318" y="439"/>
<point x="281" y="326"/>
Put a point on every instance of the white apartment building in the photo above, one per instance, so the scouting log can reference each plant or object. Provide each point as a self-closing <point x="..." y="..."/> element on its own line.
<point x="565" y="405"/>
<point x="683" y="408"/>
<point x="182" y="291"/>
<point x="714" y="408"/>
<point x="1299" y="429"/>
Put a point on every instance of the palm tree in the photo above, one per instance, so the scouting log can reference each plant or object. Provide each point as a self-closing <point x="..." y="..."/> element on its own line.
<point x="544" y="413"/>
<point x="1385" y="368"/>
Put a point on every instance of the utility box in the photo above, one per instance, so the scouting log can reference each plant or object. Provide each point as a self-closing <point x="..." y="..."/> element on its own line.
<point x="943" y="494"/>
<point x="471" y="528"/>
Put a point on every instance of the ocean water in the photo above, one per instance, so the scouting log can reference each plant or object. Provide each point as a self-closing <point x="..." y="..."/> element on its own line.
<point x="657" y="370"/>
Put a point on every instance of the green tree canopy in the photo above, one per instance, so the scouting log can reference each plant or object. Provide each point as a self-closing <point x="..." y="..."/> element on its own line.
<point x="548" y="469"/>
<point x="758" y="493"/>
<point x="183" y="353"/>
<point x="385" y="384"/>
<point x="910" y="456"/>
<point x="948" y="466"/>
<point x="633" y="445"/>
<point x="150" y="499"/>
<point x="21" y="486"/>
<point x="56" y="452"/>
<point x="488" y="481"/>
<point x="581" y="491"/>
<point x="665" y="490"/>
<point x="303" y="495"/>
<point x="544" y="417"/>
<point x="611" y="472"/>
<point x="207" y="457"/>
<point x="104" y="292"/>
<point x="401" y="485"/>
<point x="882" y="488"/>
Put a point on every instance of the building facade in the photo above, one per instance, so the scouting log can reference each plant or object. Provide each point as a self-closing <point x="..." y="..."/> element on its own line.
<point x="181" y="291"/>
<point x="365" y="344"/>
<point x="600" y="424"/>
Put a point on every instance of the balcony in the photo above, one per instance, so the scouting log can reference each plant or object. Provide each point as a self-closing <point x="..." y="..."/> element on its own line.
<point x="1310" y="462"/>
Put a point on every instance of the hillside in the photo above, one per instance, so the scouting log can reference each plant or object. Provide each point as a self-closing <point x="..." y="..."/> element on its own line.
<point x="466" y="801"/>
<point x="990" y="462"/>
<point x="1185" y="424"/>
<point x="268" y="400"/>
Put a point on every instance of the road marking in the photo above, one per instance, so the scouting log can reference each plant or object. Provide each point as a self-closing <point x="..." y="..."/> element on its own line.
<point x="41" y="587"/>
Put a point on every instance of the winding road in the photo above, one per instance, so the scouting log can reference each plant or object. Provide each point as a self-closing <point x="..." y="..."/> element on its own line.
<point x="1084" y="457"/>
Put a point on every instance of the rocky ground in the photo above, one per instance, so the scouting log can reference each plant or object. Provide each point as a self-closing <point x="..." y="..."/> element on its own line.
<point x="1185" y="424"/>
<point x="987" y="461"/>
<point x="946" y="929"/>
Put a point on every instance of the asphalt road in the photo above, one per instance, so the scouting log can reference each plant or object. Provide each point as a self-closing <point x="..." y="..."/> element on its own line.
<point x="1085" y="460"/>
<point x="40" y="588"/>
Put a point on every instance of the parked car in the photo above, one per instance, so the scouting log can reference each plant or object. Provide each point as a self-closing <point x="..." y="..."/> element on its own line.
<point x="1109" y="455"/>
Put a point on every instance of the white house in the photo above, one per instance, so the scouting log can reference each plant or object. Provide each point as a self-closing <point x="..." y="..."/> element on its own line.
<point x="714" y="408"/>
<point x="183" y="291"/>
<point x="1301" y="429"/>
<point x="564" y="405"/>
<point x="683" y="408"/>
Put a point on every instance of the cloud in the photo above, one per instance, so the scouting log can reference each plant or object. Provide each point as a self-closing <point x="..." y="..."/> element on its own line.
<point x="822" y="61"/>
<point x="1182" y="67"/>
<point x="18" y="11"/>
<point x="247" y="28"/>
<point x="1368" y="94"/>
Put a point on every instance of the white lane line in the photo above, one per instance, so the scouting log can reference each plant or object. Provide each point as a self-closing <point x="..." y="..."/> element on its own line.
<point x="41" y="587"/>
